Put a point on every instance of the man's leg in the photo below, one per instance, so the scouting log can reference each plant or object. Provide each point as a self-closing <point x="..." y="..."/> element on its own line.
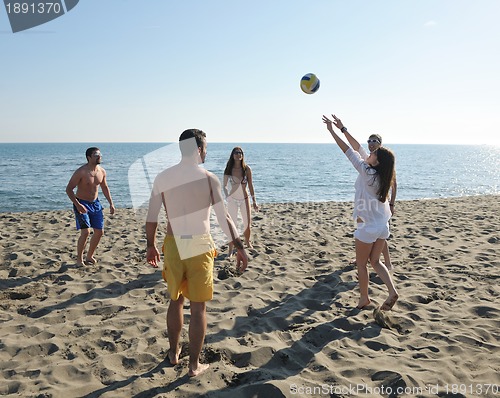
<point x="384" y="274"/>
<point x="197" y="329"/>
<point x="175" y="320"/>
<point x="94" y="241"/>
<point x="80" y="246"/>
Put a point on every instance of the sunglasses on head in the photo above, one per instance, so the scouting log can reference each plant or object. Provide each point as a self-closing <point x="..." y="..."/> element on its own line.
<point x="96" y="154"/>
<point x="374" y="141"/>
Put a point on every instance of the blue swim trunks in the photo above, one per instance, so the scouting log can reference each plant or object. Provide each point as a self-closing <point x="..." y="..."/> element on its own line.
<point x="93" y="218"/>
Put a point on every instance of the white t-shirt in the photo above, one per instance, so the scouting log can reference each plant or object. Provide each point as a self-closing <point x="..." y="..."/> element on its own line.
<point x="367" y="207"/>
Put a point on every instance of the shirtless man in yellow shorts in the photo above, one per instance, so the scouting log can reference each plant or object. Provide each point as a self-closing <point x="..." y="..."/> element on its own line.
<point x="188" y="192"/>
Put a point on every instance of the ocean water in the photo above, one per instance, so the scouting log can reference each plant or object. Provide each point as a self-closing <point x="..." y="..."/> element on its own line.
<point x="34" y="176"/>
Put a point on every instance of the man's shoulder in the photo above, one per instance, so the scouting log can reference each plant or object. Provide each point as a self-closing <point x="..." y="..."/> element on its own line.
<point x="178" y="175"/>
<point x="169" y="171"/>
<point x="212" y="177"/>
<point x="81" y="169"/>
<point x="210" y="174"/>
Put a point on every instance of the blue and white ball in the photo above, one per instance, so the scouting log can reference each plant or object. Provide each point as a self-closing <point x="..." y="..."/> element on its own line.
<point x="309" y="83"/>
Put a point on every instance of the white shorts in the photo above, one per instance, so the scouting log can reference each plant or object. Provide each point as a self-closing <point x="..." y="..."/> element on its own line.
<point x="367" y="233"/>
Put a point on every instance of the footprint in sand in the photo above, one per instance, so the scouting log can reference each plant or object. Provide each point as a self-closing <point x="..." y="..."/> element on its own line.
<point x="385" y="321"/>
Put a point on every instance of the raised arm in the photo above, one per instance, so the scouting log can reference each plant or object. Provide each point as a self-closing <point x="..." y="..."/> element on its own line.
<point x="352" y="141"/>
<point x="351" y="154"/>
<point x="337" y="139"/>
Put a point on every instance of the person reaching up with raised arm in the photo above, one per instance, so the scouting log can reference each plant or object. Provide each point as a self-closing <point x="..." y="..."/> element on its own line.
<point x="371" y="211"/>
<point x="374" y="143"/>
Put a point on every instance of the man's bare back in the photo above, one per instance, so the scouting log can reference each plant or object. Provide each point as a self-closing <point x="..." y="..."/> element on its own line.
<point x="188" y="197"/>
<point x="188" y="192"/>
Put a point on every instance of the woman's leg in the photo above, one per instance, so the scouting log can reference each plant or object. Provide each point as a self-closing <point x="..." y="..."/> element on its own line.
<point x="387" y="257"/>
<point x="383" y="273"/>
<point x="363" y="251"/>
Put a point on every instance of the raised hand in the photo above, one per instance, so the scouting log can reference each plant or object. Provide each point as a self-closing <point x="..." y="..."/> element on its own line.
<point x="328" y="123"/>
<point x="337" y="122"/>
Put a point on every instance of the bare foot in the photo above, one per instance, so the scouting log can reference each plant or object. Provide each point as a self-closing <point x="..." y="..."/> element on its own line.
<point x="363" y="302"/>
<point x="80" y="263"/>
<point x="389" y="303"/>
<point x="199" y="369"/>
<point x="173" y="357"/>
<point x="249" y="245"/>
<point x="90" y="261"/>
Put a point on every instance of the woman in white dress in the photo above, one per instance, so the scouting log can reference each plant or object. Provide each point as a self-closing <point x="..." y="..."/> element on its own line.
<point x="237" y="185"/>
<point x="371" y="211"/>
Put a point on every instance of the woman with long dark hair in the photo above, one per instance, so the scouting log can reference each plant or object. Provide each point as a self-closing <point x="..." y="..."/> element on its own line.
<point x="374" y="143"/>
<point x="371" y="211"/>
<point x="238" y="175"/>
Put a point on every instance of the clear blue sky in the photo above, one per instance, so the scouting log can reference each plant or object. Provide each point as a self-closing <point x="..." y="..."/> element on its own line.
<point x="415" y="71"/>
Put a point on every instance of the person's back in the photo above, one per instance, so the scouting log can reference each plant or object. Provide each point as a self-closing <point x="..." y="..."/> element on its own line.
<point x="187" y="195"/>
<point x="188" y="192"/>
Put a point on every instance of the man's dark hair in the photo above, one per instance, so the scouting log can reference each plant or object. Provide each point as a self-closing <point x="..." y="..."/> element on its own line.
<point x="90" y="151"/>
<point x="198" y="135"/>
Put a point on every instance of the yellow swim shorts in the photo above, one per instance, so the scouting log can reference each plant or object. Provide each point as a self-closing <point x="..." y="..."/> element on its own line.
<point x="191" y="276"/>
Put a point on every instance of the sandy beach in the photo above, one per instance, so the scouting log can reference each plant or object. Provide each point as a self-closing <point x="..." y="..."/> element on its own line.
<point x="286" y="327"/>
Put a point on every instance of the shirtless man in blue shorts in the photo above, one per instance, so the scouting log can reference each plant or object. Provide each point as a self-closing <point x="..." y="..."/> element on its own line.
<point x="188" y="192"/>
<point x="86" y="205"/>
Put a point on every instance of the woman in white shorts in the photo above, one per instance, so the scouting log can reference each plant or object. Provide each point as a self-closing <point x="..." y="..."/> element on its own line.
<point x="238" y="176"/>
<point x="371" y="211"/>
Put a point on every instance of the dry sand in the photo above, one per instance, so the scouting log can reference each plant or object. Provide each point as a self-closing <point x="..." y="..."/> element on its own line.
<point x="286" y="327"/>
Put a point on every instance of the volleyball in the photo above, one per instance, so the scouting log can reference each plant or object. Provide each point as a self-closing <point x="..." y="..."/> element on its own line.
<point x="309" y="83"/>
